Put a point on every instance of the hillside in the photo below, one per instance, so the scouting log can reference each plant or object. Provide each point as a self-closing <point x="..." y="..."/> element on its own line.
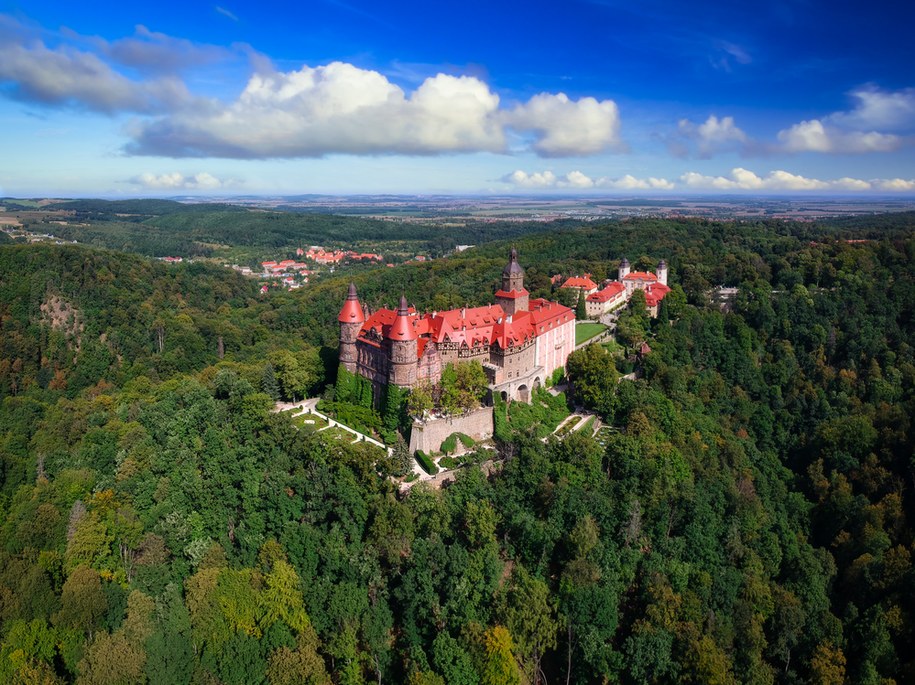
<point x="163" y="227"/>
<point x="747" y="515"/>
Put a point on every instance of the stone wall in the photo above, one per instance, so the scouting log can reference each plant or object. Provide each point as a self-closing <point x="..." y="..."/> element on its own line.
<point x="430" y="435"/>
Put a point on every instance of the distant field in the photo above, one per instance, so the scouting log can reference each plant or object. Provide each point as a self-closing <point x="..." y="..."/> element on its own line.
<point x="586" y="331"/>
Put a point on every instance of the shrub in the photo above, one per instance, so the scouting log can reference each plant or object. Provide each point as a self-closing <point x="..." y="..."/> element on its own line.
<point x="449" y="444"/>
<point x="449" y="462"/>
<point x="425" y="462"/>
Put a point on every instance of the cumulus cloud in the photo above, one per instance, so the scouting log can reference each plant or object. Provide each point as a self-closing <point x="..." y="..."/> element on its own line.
<point x="308" y="112"/>
<point x="712" y="136"/>
<point x="178" y="181"/>
<point x="815" y="136"/>
<point x="576" y="180"/>
<point x="565" y="128"/>
<point x="340" y="108"/>
<point x="744" y="179"/>
<point x="896" y="185"/>
<point x="738" y="180"/>
<point x="537" y="179"/>
<point x="337" y="108"/>
<point x="877" y="122"/>
<point x="629" y="182"/>
<point x="879" y="109"/>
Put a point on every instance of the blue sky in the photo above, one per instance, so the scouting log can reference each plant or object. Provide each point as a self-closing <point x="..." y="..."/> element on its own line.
<point x="602" y="97"/>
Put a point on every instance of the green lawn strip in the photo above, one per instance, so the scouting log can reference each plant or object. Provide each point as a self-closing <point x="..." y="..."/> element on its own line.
<point x="586" y="331"/>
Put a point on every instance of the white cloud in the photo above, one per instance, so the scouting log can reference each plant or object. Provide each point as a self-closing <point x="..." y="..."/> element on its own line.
<point x="576" y="179"/>
<point x="565" y="128"/>
<point x="538" y="179"/>
<point x="778" y="180"/>
<point x="874" y="124"/>
<point x="896" y="184"/>
<point x="579" y="181"/>
<point x="178" y="181"/>
<point x="814" y="136"/>
<point x="712" y="136"/>
<point x="336" y="108"/>
<point x="879" y="109"/>
<point x="629" y="182"/>
<point x="340" y="108"/>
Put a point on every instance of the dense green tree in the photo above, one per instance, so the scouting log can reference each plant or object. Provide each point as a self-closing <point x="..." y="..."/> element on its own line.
<point x="593" y="373"/>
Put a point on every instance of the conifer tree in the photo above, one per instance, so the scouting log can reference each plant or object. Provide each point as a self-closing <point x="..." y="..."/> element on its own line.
<point x="581" y="312"/>
<point x="269" y="384"/>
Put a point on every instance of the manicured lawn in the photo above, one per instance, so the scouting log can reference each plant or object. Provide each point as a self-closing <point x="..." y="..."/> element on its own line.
<point x="309" y="422"/>
<point x="568" y="427"/>
<point x="613" y="347"/>
<point x="603" y="435"/>
<point x="586" y="331"/>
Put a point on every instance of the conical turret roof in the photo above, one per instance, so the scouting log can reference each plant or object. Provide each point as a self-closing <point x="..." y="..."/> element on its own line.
<point x="402" y="328"/>
<point x="351" y="311"/>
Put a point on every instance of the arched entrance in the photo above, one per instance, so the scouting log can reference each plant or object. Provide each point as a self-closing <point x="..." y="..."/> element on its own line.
<point x="524" y="393"/>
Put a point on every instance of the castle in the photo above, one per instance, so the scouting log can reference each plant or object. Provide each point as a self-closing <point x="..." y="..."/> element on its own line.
<point x="519" y="341"/>
<point x="618" y="292"/>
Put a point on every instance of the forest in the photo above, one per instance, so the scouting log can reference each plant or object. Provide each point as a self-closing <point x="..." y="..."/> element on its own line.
<point x="749" y="519"/>
<point x="160" y="228"/>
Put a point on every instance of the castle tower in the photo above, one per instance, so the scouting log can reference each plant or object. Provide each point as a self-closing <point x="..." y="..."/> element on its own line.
<point x="402" y="340"/>
<point x="512" y="297"/>
<point x="351" y="318"/>
<point x="624" y="268"/>
<point x="662" y="272"/>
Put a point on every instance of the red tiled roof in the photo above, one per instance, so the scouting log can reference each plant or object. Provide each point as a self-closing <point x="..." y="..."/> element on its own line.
<point x="351" y="312"/>
<point x="608" y="293"/>
<point x="402" y="328"/>
<point x="579" y="282"/>
<point x="654" y="293"/>
<point x="640" y="276"/>
<point x="470" y="326"/>
<point x="512" y="294"/>
<point x="515" y="332"/>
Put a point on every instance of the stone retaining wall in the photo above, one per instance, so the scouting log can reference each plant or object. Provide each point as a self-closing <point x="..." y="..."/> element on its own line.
<point x="430" y="435"/>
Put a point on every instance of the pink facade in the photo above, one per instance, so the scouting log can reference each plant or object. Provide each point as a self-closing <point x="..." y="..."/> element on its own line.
<point x="514" y="339"/>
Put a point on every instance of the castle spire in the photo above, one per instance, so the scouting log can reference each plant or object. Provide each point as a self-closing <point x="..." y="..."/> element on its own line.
<point x="402" y="328"/>
<point x="352" y="310"/>
<point x="512" y="297"/>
